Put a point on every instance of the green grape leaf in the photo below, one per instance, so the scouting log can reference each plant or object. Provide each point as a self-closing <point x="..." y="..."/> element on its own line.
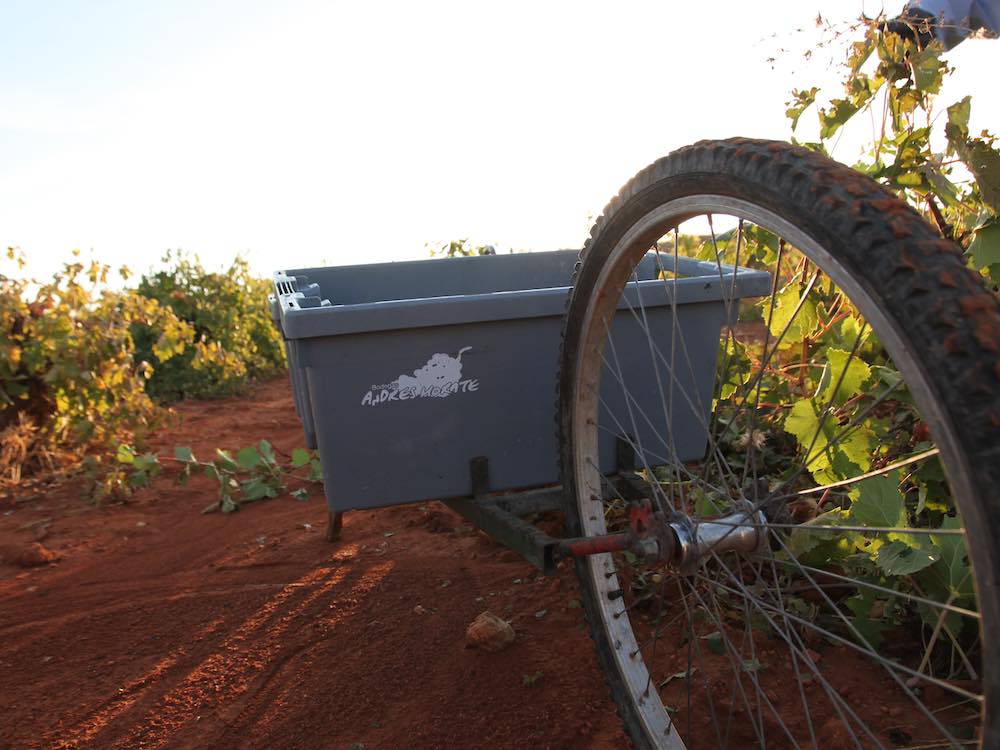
<point x="951" y="575"/>
<point x="899" y="559"/>
<point x="735" y="367"/>
<point x="248" y="457"/>
<point x="860" y="51"/>
<point x="830" y="121"/>
<point x="184" y="454"/>
<point x="256" y="489"/>
<point x="931" y="616"/>
<point x="957" y="129"/>
<point x="983" y="160"/>
<point x="706" y="505"/>
<point x="224" y="461"/>
<point x="878" y="502"/>
<point x="266" y="452"/>
<point x="943" y="187"/>
<point x="801" y="100"/>
<point x="928" y="69"/>
<point x="862" y="605"/>
<point x="985" y="247"/>
<point x="138" y="479"/>
<point x="147" y="462"/>
<point x="806" y="537"/>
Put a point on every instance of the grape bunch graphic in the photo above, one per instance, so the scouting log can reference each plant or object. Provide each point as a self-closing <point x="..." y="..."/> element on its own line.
<point x="438" y="377"/>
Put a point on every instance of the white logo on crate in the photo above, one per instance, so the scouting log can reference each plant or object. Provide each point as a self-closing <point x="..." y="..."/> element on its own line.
<point x="439" y="378"/>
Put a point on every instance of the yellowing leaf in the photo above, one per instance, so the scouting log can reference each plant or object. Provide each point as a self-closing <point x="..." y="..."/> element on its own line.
<point x="910" y="179"/>
<point x="799" y="324"/>
<point x="833" y="455"/>
<point x="845" y="373"/>
<point x="801" y="100"/>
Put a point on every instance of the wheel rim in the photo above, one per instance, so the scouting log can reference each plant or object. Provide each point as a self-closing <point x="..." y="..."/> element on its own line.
<point x="664" y="727"/>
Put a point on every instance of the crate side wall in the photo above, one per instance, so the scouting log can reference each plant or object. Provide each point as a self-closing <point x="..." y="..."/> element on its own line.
<point x="389" y="432"/>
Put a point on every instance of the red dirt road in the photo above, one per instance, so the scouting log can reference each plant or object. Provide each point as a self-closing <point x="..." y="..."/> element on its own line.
<point x="155" y="626"/>
<point x="160" y="627"/>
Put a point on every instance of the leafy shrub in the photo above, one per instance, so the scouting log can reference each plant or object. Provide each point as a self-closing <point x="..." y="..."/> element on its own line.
<point x="458" y="249"/>
<point x="71" y="380"/>
<point x="83" y="365"/>
<point x="892" y="81"/>
<point x="235" y="341"/>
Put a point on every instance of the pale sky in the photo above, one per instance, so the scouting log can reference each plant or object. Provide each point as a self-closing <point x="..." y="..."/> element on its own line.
<point x="306" y="133"/>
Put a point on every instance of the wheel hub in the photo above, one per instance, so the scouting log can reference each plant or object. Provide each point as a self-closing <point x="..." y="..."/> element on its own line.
<point x="679" y="541"/>
<point x="744" y="531"/>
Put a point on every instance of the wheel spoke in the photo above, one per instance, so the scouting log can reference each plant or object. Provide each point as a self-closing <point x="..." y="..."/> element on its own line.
<point x="752" y="413"/>
<point x="739" y="668"/>
<point x="799" y="655"/>
<point x="670" y="442"/>
<point x="795" y="661"/>
<point x="696" y="409"/>
<point x="874" y="473"/>
<point x="814" y="527"/>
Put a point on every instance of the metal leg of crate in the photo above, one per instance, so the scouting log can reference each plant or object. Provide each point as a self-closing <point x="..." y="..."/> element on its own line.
<point x="497" y="515"/>
<point x="531" y="501"/>
<point x="334" y="523"/>
<point x="530" y="542"/>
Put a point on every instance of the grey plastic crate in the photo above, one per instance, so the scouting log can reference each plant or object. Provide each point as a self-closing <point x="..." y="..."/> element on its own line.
<point x="404" y="372"/>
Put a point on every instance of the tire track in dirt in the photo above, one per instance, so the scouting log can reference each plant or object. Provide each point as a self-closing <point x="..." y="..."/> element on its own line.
<point x="221" y="684"/>
<point x="130" y="694"/>
<point x="263" y="707"/>
<point x="232" y="666"/>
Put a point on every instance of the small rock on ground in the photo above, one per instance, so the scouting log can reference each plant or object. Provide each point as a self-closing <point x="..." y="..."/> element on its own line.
<point x="489" y="633"/>
<point x="32" y="555"/>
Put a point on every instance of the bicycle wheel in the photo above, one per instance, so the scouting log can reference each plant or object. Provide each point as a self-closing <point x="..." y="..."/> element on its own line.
<point x="827" y="567"/>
